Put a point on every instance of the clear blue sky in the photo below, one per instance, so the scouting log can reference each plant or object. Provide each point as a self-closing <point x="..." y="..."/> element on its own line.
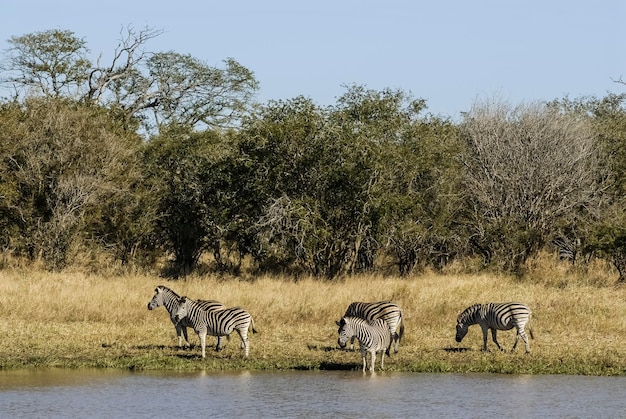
<point x="449" y="52"/>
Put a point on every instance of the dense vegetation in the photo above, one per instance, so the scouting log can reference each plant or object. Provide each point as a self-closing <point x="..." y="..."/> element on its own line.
<point x="157" y="157"/>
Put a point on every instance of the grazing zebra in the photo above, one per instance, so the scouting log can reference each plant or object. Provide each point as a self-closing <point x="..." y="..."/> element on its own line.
<point x="386" y="310"/>
<point x="373" y="337"/>
<point x="164" y="296"/>
<point x="495" y="316"/>
<point x="215" y="322"/>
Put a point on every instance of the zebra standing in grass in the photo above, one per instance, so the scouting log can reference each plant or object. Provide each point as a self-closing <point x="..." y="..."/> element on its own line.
<point x="164" y="296"/>
<point x="215" y="322"/>
<point x="373" y="337"/>
<point x="495" y="316"/>
<point x="386" y="310"/>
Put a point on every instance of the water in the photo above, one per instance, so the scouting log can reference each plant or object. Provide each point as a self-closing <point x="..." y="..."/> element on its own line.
<point x="115" y="394"/>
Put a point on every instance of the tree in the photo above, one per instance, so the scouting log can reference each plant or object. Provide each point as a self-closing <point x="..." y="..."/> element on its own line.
<point x="157" y="88"/>
<point x="279" y="151"/>
<point x="605" y="234"/>
<point x="168" y="88"/>
<point x="528" y="169"/>
<point x="423" y="200"/>
<point x="49" y="63"/>
<point x="60" y="161"/>
<point x="192" y="192"/>
<point x="346" y="177"/>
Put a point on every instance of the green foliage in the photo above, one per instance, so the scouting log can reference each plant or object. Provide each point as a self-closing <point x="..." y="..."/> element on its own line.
<point x="61" y="161"/>
<point x="50" y="63"/>
<point x="368" y="183"/>
<point x="338" y="183"/>
<point x="604" y="234"/>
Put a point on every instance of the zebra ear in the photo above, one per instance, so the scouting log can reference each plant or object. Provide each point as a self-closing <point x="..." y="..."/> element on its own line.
<point x="338" y="323"/>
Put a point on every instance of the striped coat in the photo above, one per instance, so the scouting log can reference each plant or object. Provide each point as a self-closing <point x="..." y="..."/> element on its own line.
<point x="163" y="296"/>
<point x="373" y="336"/>
<point x="390" y="312"/>
<point x="494" y="317"/>
<point x="215" y="322"/>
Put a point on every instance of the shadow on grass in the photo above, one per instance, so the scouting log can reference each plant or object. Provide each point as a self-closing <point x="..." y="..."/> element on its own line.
<point x="189" y="356"/>
<point x="456" y="349"/>
<point x="146" y="347"/>
<point x="323" y="348"/>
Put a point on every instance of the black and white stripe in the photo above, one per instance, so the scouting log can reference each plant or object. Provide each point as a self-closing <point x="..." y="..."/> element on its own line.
<point x="390" y="312"/>
<point x="496" y="316"/>
<point x="373" y="336"/>
<point x="215" y="322"/>
<point x="163" y="296"/>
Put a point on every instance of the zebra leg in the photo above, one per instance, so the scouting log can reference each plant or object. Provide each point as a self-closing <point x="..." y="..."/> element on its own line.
<point x="187" y="343"/>
<point x="246" y="348"/>
<point x="245" y="343"/>
<point x="373" y="363"/>
<point x="364" y="356"/>
<point x="180" y="332"/>
<point x="352" y="342"/>
<point x="395" y="338"/>
<point x="495" y="340"/>
<point x="202" y="336"/>
<point x="521" y="333"/>
<point x="219" y="345"/>
<point x="485" y="330"/>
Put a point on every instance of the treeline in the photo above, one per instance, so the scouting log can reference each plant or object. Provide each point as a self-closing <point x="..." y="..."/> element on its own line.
<point x="158" y="156"/>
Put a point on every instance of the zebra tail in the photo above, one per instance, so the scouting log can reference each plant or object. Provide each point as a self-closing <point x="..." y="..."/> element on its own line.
<point x="401" y="333"/>
<point x="530" y="332"/>
<point x="252" y="326"/>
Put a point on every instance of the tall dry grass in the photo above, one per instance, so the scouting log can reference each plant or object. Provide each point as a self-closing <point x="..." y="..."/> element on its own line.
<point x="76" y="320"/>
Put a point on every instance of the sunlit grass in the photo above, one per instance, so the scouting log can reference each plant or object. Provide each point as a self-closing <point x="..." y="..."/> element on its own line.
<point x="78" y="320"/>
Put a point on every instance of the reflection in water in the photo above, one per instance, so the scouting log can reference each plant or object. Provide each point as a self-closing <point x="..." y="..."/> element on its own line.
<point x="97" y="393"/>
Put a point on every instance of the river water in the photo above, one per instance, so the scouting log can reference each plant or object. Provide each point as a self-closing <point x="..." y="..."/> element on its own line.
<point x="299" y="394"/>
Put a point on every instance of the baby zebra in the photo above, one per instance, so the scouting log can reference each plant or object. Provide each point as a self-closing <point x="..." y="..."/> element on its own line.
<point x="215" y="322"/>
<point x="163" y="296"/>
<point x="373" y="337"/>
<point x="495" y="316"/>
<point x="391" y="313"/>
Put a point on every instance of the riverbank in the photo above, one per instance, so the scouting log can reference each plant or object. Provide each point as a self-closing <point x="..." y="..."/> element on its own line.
<point x="75" y="320"/>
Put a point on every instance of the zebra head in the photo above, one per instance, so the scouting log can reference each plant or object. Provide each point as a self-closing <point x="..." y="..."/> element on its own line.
<point x="181" y="313"/>
<point x="157" y="299"/>
<point x="465" y="319"/>
<point x="461" y="331"/>
<point x="345" y="332"/>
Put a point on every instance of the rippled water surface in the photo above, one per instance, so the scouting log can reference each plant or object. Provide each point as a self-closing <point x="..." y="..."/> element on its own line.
<point x="112" y="394"/>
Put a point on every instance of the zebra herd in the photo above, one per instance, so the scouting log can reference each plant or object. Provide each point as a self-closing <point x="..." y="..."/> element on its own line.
<point x="377" y="326"/>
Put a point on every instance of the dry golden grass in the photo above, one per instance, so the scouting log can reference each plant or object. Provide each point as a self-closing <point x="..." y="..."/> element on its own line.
<point x="79" y="320"/>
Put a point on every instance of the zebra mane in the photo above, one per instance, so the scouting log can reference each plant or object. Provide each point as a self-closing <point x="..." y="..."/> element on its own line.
<point x="163" y="288"/>
<point x="469" y="314"/>
<point x="354" y="320"/>
<point x="170" y="298"/>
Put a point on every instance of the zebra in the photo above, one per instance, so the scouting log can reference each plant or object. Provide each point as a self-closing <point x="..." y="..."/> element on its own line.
<point x="386" y="310"/>
<point x="496" y="316"/>
<point x="164" y="296"/>
<point x="373" y="337"/>
<point x="215" y="322"/>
